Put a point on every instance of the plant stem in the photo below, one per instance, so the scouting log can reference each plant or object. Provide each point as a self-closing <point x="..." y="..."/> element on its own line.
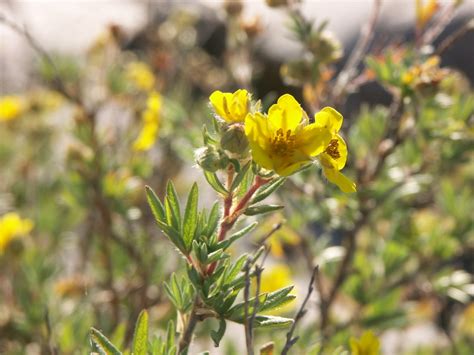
<point x="228" y="220"/>
<point x="187" y="335"/>
<point x="290" y="341"/>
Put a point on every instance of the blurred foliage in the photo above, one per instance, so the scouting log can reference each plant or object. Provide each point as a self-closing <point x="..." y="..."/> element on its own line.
<point x="80" y="248"/>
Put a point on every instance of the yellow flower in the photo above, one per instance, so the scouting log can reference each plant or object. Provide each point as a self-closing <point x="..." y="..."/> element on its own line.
<point x="334" y="157"/>
<point x="231" y="107"/>
<point x="75" y="285"/>
<point x="425" y="74"/>
<point x="368" y="344"/>
<point x="151" y="120"/>
<point x="12" y="226"/>
<point x="275" y="278"/>
<point x="11" y="107"/>
<point x="425" y="12"/>
<point x="283" y="140"/>
<point x="140" y="75"/>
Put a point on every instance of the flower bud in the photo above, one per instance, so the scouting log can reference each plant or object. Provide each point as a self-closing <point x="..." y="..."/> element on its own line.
<point x="233" y="7"/>
<point x="277" y="3"/>
<point x="210" y="159"/>
<point x="325" y="47"/>
<point x="234" y="140"/>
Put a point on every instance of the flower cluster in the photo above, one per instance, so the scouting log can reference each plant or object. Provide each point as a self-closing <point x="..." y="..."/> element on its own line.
<point x="284" y="139"/>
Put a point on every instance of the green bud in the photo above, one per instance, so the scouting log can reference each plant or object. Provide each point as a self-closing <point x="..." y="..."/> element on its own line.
<point x="234" y="140"/>
<point x="300" y="71"/>
<point x="210" y="159"/>
<point x="325" y="47"/>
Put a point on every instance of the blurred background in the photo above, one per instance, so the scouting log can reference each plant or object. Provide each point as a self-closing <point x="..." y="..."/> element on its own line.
<point x="100" y="98"/>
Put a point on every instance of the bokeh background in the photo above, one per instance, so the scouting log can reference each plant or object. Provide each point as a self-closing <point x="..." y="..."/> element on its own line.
<point x="100" y="98"/>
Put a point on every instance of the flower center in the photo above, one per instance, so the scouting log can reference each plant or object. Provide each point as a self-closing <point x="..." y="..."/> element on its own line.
<point x="283" y="144"/>
<point x="332" y="149"/>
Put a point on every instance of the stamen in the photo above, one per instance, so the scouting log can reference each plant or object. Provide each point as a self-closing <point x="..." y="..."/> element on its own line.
<point x="283" y="143"/>
<point x="333" y="149"/>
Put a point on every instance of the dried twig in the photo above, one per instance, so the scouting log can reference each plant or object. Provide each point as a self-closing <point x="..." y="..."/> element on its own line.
<point x="349" y="70"/>
<point x="58" y="83"/>
<point x="453" y="38"/>
<point x="434" y="31"/>
<point x="274" y="229"/>
<point x="247" y="328"/>
<point x="290" y="341"/>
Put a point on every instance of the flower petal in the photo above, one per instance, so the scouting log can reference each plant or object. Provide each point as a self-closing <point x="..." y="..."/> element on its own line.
<point x="329" y="118"/>
<point x="313" y="140"/>
<point x="285" y="114"/>
<point x="336" y="177"/>
<point x="256" y="130"/>
<point x="342" y="149"/>
<point x="260" y="156"/>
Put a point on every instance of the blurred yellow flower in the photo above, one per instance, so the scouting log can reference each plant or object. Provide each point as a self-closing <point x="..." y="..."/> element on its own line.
<point x="284" y="236"/>
<point x="151" y="121"/>
<point x="368" y="344"/>
<point x="275" y="278"/>
<point x="140" y="75"/>
<point x="425" y="12"/>
<point x="231" y="107"/>
<point x="11" y="107"/>
<point x="334" y="157"/>
<point x="12" y="226"/>
<point x="75" y="285"/>
<point x="426" y="73"/>
<point x="284" y="140"/>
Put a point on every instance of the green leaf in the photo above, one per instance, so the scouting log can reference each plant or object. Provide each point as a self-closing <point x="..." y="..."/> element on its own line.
<point x="272" y="322"/>
<point x="215" y="183"/>
<point x="155" y="204"/>
<point x="255" y="210"/>
<point x="277" y="299"/>
<point x="118" y="336"/>
<point x="266" y="190"/>
<point x="237" y="313"/>
<point x="240" y="176"/>
<point x="233" y="270"/>
<point x="140" y="336"/>
<point x="170" y="338"/>
<point x="217" y="335"/>
<point x="213" y="220"/>
<point x="190" y="217"/>
<point x="172" y="235"/>
<point x="228" y="242"/>
<point x="103" y="344"/>
<point x="173" y="205"/>
<point x="216" y="256"/>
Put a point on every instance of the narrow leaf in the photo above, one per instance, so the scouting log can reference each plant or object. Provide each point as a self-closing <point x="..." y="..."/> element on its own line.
<point x="255" y="210"/>
<point x="240" y="176"/>
<point x="103" y="344"/>
<point x="170" y="337"/>
<point x="190" y="217"/>
<point x="233" y="270"/>
<point x="173" y="200"/>
<point x="272" y="322"/>
<point x="226" y="243"/>
<point x="217" y="335"/>
<point x="140" y="336"/>
<point x="266" y="190"/>
<point x="274" y="298"/>
<point x="215" y="183"/>
<point x="155" y="204"/>
<point x="213" y="220"/>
